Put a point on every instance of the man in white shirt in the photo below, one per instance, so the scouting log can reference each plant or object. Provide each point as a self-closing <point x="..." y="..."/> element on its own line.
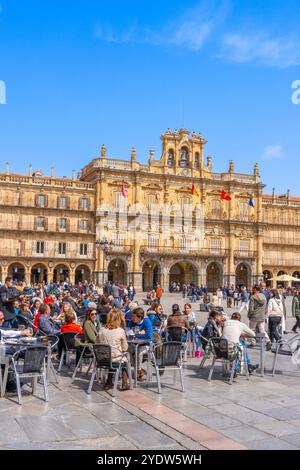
<point x="4" y="333"/>
<point x="235" y="332"/>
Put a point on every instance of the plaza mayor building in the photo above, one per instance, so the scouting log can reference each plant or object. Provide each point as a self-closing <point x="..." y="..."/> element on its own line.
<point x="57" y="228"/>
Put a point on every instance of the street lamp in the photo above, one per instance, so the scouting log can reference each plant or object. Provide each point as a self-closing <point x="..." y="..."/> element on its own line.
<point x="104" y="244"/>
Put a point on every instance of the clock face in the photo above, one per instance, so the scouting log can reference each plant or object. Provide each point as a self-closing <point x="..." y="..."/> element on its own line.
<point x="185" y="172"/>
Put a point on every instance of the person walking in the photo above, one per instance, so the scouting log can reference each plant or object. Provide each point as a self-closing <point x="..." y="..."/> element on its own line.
<point x="257" y="313"/>
<point x="245" y="300"/>
<point x="275" y="314"/>
<point x="159" y="293"/>
<point x="296" y="310"/>
<point x="235" y="298"/>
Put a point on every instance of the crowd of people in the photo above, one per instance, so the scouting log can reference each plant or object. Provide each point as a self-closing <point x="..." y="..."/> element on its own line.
<point x="110" y="315"/>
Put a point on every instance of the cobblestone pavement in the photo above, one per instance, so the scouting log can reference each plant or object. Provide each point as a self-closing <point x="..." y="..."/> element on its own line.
<point x="262" y="413"/>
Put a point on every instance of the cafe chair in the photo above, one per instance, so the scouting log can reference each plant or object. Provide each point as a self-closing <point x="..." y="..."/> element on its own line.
<point x="180" y="334"/>
<point x="51" y="341"/>
<point x="68" y="339"/>
<point x="30" y="363"/>
<point x="168" y="355"/>
<point x="222" y="351"/>
<point x="87" y="353"/>
<point x="103" y="362"/>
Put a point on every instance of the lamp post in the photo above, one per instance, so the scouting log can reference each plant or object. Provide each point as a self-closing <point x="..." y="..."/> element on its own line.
<point x="104" y="244"/>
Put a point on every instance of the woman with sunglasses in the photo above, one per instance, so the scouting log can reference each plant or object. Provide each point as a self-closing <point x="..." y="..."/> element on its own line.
<point x="90" y="326"/>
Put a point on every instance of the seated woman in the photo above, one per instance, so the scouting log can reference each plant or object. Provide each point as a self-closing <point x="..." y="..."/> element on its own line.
<point x="25" y="311"/>
<point x="114" y="335"/>
<point x="191" y="317"/>
<point x="66" y="308"/>
<point x="70" y="327"/>
<point x="90" y="326"/>
<point x="154" y="313"/>
<point x="212" y="327"/>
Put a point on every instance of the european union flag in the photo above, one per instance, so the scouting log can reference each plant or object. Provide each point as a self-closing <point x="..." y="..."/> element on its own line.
<point x="251" y="203"/>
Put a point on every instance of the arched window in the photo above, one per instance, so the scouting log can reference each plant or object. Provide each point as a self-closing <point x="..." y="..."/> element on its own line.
<point x="184" y="157"/>
<point x="197" y="160"/>
<point x="171" y="159"/>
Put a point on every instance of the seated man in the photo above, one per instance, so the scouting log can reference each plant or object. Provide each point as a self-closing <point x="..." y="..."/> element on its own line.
<point x="5" y="333"/>
<point x="235" y="332"/>
<point x="45" y="323"/>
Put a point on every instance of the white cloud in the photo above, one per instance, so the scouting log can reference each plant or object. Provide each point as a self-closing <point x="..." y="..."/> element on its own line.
<point x="190" y="31"/>
<point x="261" y="49"/>
<point x="274" y="151"/>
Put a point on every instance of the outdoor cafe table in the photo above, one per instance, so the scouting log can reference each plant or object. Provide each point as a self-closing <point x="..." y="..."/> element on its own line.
<point x="136" y="343"/>
<point x="5" y="359"/>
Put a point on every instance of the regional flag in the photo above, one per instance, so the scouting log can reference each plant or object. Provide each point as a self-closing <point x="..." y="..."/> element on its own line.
<point x="251" y="203"/>
<point x="123" y="191"/>
<point x="193" y="190"/>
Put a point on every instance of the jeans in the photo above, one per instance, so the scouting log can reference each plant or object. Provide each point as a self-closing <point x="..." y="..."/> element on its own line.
<point x="197" y="333"/>
<point x="194" y="298"/>
<point x="244" y="346"/>
<point x="274" y="321"/>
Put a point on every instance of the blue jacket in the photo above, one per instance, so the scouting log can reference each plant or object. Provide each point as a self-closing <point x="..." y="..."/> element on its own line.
<point x="245" y="296"/>
<point x="144" y="325"/>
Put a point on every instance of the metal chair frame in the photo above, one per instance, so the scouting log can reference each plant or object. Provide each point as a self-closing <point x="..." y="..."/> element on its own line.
<point x="110" y="367"/>
<point x="42" y="372"/>
<point x="285" y="352"/>
<point x="66" y="352"/>
<point x="177" y="365"/>
<point x="225" y="360"/>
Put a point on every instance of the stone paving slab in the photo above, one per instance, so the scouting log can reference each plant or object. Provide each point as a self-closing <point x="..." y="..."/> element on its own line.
<point x="143" y="435"/>
<point x="271" y="444"/>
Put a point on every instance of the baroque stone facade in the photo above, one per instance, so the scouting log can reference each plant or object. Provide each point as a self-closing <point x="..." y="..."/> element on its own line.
<point x="49" y="226"/>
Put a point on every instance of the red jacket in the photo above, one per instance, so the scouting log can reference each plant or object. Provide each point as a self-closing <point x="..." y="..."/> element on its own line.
<point x="71" y="328"/>
<point x="36" y="321"/>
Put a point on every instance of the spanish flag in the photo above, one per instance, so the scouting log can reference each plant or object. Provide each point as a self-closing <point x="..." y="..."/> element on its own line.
<point x="193" y="190"/>
<point x="225" y="196"/>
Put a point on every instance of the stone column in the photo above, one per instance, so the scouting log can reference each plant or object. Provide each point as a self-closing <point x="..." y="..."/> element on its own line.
<point x="4" y="274"/>
<point x="27" y="275"/>
<point x="72" y="275"/>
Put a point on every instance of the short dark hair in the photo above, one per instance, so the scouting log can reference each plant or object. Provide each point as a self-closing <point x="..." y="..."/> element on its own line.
<point x="257" y="288"/>
<point x="236" y="316"/>
<point x="138" y="312"/>
<point x="7" y="279"/>
<point x="175" y="308"/>
<point x="214" y="313"/>
<point x="43" y="309"/>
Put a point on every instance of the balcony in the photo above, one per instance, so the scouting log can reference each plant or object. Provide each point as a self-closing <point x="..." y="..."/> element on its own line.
<point x="119" y="249"/>
<point x="295" y="262"/>
<point x="281" y="241"/>
<point x="245" y="254"/>
<point x="180" y="251"/>
<point x="49" y="254"/>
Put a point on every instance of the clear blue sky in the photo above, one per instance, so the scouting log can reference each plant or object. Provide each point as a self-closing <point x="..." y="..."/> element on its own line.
<point x="120" y="72"/>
